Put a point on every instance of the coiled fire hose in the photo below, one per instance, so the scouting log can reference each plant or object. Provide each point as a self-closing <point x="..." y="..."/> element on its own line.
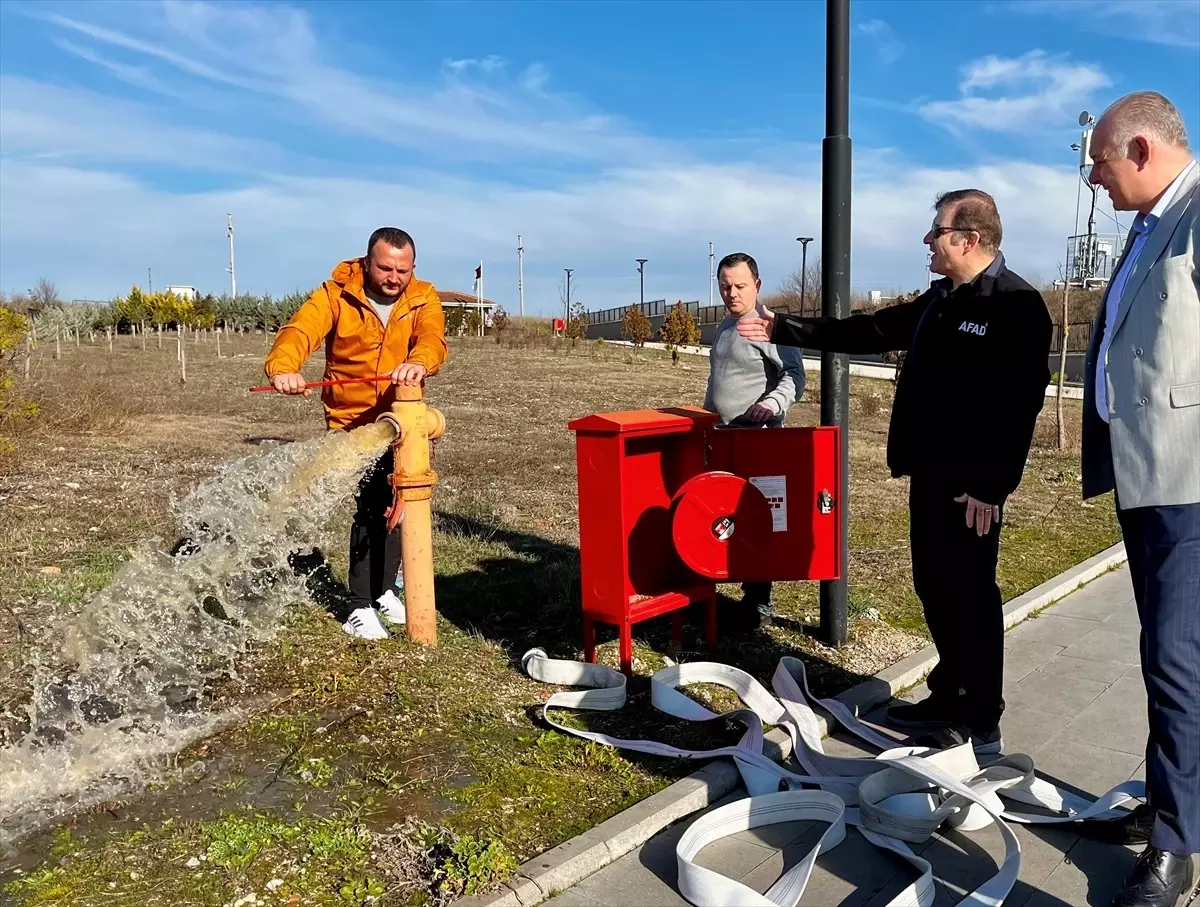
<point x="902" y="795"/>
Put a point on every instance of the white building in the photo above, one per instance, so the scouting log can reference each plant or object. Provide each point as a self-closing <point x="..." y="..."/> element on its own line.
<point x="188" y="293"/>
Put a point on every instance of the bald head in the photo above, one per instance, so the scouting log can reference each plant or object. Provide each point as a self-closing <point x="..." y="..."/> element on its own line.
<point x="1144" y="113"/>
<point x="1138" y="148"/>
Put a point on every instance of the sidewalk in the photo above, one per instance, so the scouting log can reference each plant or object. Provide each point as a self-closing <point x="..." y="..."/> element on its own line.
<point x="1076" y="704"/>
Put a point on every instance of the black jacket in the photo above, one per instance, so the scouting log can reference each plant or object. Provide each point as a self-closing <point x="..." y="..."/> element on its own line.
<point x="973" y="382"/>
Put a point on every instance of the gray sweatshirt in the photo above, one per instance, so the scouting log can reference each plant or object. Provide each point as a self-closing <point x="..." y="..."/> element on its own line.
<point x="743" y="372"/>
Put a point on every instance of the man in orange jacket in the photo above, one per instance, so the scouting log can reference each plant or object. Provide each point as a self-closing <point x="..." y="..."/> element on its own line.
<point x="373" y="318"/>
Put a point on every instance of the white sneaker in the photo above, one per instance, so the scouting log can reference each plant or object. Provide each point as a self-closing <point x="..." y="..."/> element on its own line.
<point x="392" y="607"/>
<point x="365" y="624"/>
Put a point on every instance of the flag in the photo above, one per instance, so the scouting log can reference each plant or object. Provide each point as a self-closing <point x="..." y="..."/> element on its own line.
<point x="479" y="273"/>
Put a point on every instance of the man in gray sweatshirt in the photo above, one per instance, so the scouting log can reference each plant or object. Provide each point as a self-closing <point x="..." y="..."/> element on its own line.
<point x="750" y="383"/>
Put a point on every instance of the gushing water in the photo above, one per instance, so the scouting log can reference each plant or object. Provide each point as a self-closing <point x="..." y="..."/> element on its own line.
<point x="126" y="680"/>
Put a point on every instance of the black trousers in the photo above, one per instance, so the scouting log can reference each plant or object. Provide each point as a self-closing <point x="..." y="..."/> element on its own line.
<point x="1164" y="562"/>
<point x="954" y="574"/>
<point x="374" y="552"/>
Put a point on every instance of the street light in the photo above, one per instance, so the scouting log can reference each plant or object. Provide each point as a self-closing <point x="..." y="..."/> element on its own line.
<point x="568" y="315"/>
<point x="642" y="280"/>
<point x="804" y="241"/>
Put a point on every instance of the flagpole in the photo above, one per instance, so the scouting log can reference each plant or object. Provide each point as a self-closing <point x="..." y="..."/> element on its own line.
<point x="481" y="297"/>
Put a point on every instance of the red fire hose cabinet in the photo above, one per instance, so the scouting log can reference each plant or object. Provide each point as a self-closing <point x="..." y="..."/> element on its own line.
<point x="669" y="506"/>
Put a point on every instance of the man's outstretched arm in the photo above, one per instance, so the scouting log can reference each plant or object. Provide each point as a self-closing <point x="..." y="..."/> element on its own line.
<point x="888" y="329"/>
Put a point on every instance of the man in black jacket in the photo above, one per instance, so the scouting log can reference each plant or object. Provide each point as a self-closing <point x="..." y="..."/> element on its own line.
<point x="967" y="399"/>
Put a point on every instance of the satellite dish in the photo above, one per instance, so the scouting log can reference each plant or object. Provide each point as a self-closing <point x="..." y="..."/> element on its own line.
<point x="1085" y="118"/>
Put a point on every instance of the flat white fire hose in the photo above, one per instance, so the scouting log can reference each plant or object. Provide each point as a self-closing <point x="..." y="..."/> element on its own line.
<point x="903" y="794"/>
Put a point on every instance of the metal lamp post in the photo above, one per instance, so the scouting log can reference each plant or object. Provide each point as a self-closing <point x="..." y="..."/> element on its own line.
<point x="835" y="287"/>
<point x="804" y="241"/>
<point x="641" y="262"/>
<point x="567" y="318"/>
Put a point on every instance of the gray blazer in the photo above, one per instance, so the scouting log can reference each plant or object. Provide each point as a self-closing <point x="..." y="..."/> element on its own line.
<point x="1150" y="448"/>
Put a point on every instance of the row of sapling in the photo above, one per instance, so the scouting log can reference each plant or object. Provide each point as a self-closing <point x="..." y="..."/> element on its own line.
<point x="679" y="329"/>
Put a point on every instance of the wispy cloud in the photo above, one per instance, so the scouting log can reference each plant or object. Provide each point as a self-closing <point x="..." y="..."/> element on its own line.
<point x="273" y="51"/>
<point x="1018" y="94"/>
<point x="1175" y="23"/>
<point x="486" y="65"/>
<point x="138" y="76"/>
<point x="76" y="158"/>
<point x="887" y="45"/>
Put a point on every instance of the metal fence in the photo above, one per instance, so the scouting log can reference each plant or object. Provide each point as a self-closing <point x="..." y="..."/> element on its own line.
<point x="1078" y="337"/>
<point x="652" y="308"/>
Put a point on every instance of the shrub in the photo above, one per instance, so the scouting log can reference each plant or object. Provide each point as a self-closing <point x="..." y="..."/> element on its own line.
<point x="499" y="321"/>
<point x="474" y="322"/>
<point x="454" y="321"/>
<point x="635" y="326"/>
<point x="13" y="329"/>
<point x="679" y="329"/>
<point x="578" y="324"/>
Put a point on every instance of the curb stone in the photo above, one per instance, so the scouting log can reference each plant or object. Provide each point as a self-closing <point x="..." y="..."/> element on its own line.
<point x="574" y="860"/>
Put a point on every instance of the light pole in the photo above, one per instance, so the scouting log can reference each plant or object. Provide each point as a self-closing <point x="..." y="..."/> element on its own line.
<point x="521" y="273"/>
<point x="230" y="269"/>
<point x="642" y="280"/>
<point x="835" y="291"/>
<point x="804" y="241"/>
<point x="710" y="274"/>
<point x="568" y="315"/>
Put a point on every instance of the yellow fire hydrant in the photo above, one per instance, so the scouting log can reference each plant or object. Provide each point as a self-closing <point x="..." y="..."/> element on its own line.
<point x="413" y="478"/>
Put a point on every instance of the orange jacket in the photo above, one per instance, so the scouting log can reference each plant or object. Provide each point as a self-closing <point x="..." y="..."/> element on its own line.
<point x="358" y="343"/>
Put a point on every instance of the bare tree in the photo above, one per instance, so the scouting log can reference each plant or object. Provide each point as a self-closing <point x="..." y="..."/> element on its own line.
<point x="788" y="299"/>
<point x="44" y="295"/>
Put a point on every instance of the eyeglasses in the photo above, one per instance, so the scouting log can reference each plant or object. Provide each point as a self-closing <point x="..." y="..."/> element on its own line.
<point x="937" y="230"/>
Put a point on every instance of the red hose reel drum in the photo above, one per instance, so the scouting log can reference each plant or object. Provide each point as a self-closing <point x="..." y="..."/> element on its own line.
<point x="721" y="524"/>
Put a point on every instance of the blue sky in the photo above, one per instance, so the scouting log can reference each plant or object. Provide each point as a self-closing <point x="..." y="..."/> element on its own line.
<point x="601" y="132"/>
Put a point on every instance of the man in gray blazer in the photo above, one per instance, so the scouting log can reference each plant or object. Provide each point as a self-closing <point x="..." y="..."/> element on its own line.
<point x="1141" y="437"/>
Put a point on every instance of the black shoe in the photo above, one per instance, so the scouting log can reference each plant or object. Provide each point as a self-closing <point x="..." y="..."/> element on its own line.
<point x="1132" y="828"/>
<point x="1159" y="879"/>
<point x="985" y="743"/>
<point x="928" y="713"/>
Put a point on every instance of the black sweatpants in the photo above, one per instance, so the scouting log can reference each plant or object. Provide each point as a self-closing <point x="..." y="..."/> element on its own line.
<point x="954" y="574"/>
<point x="374" y="552"/>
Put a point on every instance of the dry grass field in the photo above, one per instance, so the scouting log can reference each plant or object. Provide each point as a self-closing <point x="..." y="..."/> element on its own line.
<point x="348" y="739"/>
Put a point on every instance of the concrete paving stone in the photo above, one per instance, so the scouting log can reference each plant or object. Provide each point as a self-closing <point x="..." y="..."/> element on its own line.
<point x="1090" y="875"/>
<point x="1125" y="616"/>
<point x="776" y="836"/>
<point x="1139" y="773"/>
<point x="573" y="897"/>
<point x="1116" y="586"/>
<point x="1027" y="728"/>
<point x="1092" y="606"/>
<point x="1084" y="669"/>
<point x="1055" y="693"/>
<point x="1090" y="769"/>
<point x="734" y="856"/>
<point x="851" y="874"/>
<point x="1103" y="644"/>
<point x="628" y="881"/>
<point x="1054" y="628"/>
<point x="843" y="743"/>
<point x="1116" y="720"/>
<point x="1024" y="656"/>
<point x="964" y="861"/>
